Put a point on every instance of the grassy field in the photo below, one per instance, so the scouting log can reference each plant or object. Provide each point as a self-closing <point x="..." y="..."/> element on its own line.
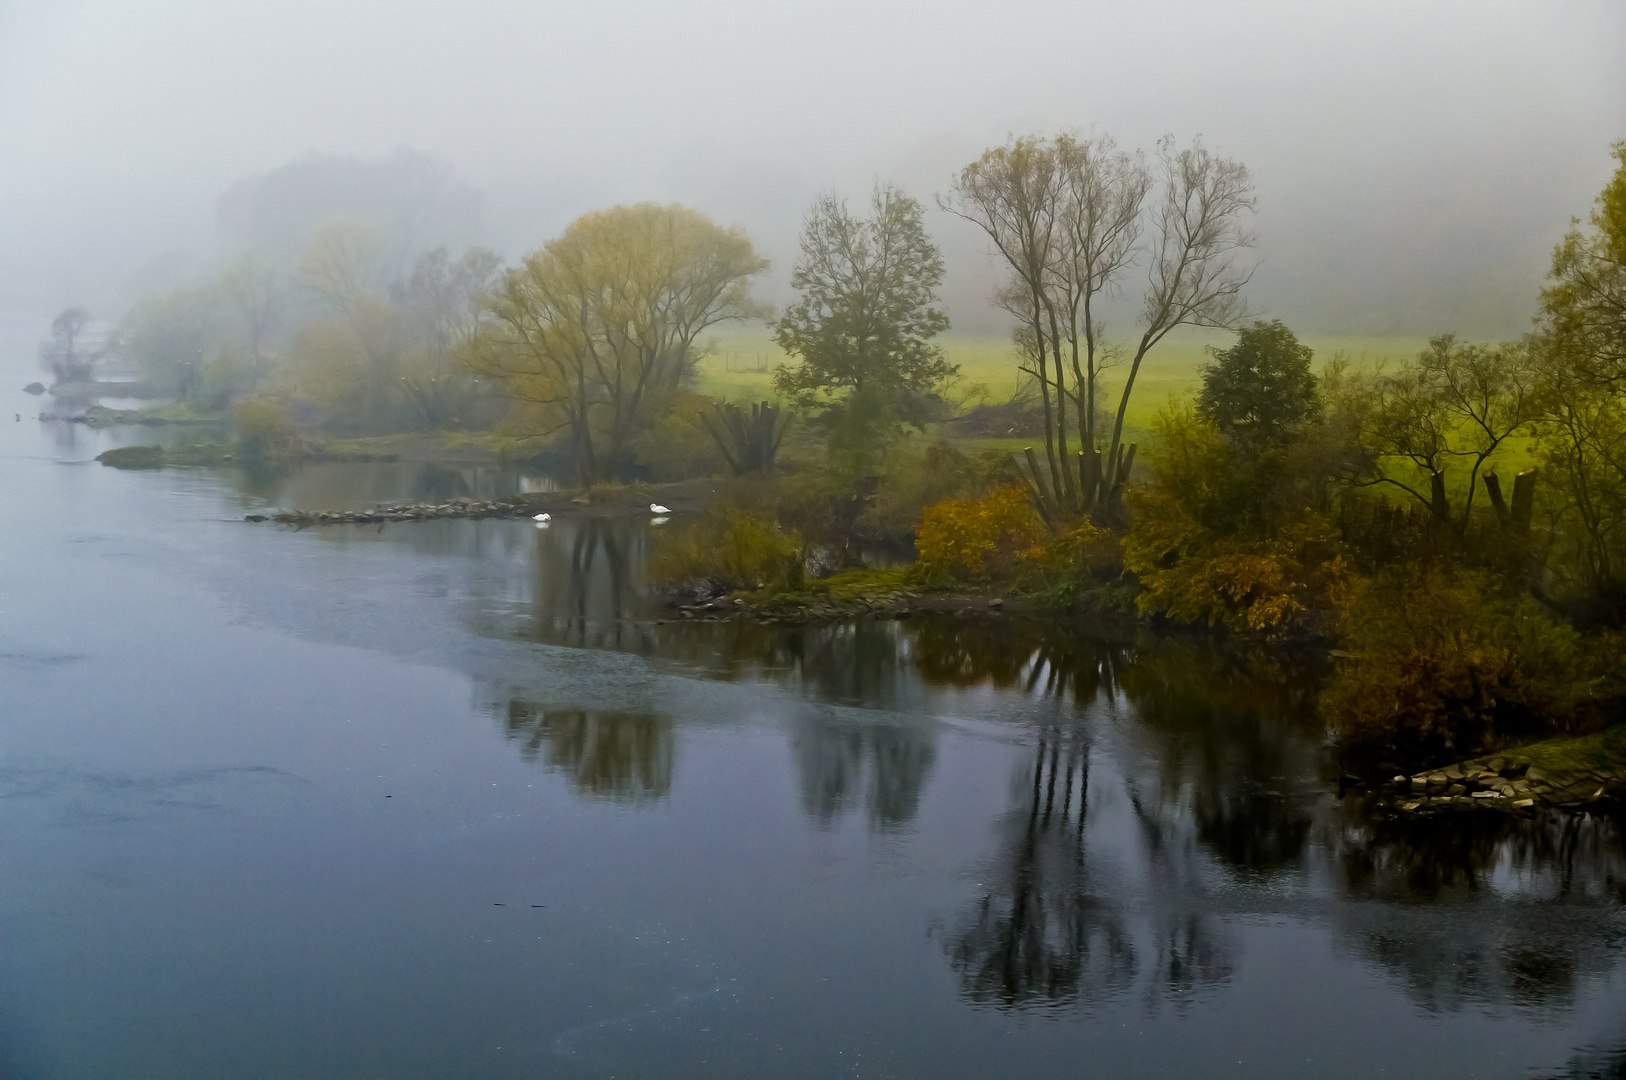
<point x="741" y="365"/>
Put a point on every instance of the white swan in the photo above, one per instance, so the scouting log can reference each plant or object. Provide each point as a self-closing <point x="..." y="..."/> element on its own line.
<point x="543" y="517"/>
<point x="657" y="508"/>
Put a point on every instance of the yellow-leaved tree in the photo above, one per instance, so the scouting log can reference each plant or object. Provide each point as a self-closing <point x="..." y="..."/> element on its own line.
<point x="603" y="322"/>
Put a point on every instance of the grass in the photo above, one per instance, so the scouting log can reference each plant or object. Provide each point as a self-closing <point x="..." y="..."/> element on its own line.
<point x="742" y="362"/>
<point x="1604" y="750"/>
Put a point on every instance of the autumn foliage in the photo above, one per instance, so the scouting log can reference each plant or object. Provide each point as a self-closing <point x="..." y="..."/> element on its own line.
<point x="965" y="541"/>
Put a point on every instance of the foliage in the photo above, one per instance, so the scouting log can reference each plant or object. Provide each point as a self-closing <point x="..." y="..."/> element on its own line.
<point x="607" y="315"/>
<point x="349" y="366"/>
<point x="920" y="476"/>
<point x="1193" y="550"/>
<point x="976" y="540"/>
<point x="674" y="444"/>
<point x="1454" y="404"/>
<point x="1260" y="392"/>
<point x="1059" y="563"/>
<point x="265" y="432"/>
<point x="859" y="430"/>
<point x="866" y="314"/>
<point x="734" y="549"/>
<point x="1581" y="442"/>
<point x="170" y="338"/>
<point x="1446" y="659"/>
<point x="1584" y="307"/>
<point x="1582" y="435"/>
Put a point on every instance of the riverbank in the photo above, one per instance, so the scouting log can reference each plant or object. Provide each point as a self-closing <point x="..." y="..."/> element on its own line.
<point x="631" y="500"/>
<point x="1561" y="773"/>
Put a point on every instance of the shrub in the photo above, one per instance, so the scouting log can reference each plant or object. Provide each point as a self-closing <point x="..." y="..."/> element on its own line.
<point x="1442" y="659"/>
<point x="1061" y="562"/>
<point x="265" y="432"/>
<point x="973" y="540"/>
<point x="1200" y="556"/>
<point x="731" y="550"/>
<point x="921" y="477"/>
<point x="1191" y="575"/>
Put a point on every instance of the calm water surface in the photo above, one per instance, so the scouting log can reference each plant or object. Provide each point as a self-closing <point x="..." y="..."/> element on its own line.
<point x="443" y="800"/>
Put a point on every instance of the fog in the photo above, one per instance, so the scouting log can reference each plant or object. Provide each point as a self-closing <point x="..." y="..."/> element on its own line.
<point x="1415" y="161"/>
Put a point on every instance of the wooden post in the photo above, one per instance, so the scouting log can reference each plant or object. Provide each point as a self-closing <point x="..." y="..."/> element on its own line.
<point x="1038" y="478"/>
<point x="1089" y="477"/>
<point x="1436" y="494"/>
<point x="1524" y="499"/>
<point x="1035" y="492"/>
<point x="1493" y="488"/>
<point x="1126" y="461"/>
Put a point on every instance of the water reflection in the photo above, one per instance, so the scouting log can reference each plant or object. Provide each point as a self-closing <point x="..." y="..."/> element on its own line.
<point x="625" y="757"/>
<point x="1057" y="923"/>
<point x="357" y="485"/>
<point x="1173" y="787"/>
<point x="842" y="764"/>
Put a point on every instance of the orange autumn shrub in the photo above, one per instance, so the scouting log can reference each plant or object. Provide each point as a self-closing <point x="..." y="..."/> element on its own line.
<point x="970" y="541"/>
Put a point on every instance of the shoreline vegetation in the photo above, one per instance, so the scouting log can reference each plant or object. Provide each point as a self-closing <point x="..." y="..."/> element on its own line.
<point x="1448" y="530"/>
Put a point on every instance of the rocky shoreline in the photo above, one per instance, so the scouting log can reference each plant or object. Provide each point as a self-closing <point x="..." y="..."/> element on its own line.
<point x="456" y="508"/>
<point x="1566" y="774"/>
<point x="884" y="604"/>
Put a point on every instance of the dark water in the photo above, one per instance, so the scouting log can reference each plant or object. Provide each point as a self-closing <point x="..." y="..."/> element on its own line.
<point x="443" y="800"/>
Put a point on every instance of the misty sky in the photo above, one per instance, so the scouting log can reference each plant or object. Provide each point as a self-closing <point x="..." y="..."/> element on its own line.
<point x="1415" y="161"/>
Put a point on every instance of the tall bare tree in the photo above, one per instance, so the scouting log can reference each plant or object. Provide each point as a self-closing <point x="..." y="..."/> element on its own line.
<point x="1103" y="192"/>
<point x="1068" y="215"/>
<point x="1193" y="277"/>
<point x="1012" y="193"/>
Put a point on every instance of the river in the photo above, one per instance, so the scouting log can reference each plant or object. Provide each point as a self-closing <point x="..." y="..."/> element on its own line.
<point x="445" y="800"/>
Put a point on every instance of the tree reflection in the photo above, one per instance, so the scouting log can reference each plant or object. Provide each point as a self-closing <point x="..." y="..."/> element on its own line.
<point x="1041" y="932"/>
<point x="588" y="589"/>
<point x="842" y="763"/>
<point x="1016" y="653"/>
<point x="625" y="757"/>
<point x="1484" y="908"/>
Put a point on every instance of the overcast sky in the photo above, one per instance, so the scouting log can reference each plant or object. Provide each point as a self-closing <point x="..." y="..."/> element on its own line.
<point x="1415" y="161"/>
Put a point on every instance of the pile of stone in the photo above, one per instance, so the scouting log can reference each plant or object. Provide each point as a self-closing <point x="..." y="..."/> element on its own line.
<point x="1503" y="783"/>
<point x="457" y="508"/>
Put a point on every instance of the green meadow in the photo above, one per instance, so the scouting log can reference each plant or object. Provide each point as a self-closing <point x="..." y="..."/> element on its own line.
<point x="741" y="362"/>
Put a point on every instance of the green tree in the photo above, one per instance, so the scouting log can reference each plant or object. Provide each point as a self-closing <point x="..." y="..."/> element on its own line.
<point x="1455" y="404"/>
<point x="1581" y="337"/>
<point x="867" y="316"/>
<point x="1584" y="309"/>
<point x="1260" y="392"/>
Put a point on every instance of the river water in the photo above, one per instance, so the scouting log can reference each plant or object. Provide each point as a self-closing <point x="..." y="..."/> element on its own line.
<point x="444" y="800"/>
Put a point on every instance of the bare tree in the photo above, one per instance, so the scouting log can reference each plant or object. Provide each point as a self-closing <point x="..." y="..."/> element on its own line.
<point x="1454" y="403"/>
<point x="441" y="300"/>
<point x="1013" y="193"/>
<point x="1068" y="214"/>
<point x="1193" y="278"/>
<point x="1103" y="192"/>
<point x="258" y="293"/>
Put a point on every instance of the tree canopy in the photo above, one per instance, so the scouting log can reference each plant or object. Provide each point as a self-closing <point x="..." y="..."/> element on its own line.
<point x="606" y="317"/>
<point x="867" y="313"/>
<point x="1260" y="391"/>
